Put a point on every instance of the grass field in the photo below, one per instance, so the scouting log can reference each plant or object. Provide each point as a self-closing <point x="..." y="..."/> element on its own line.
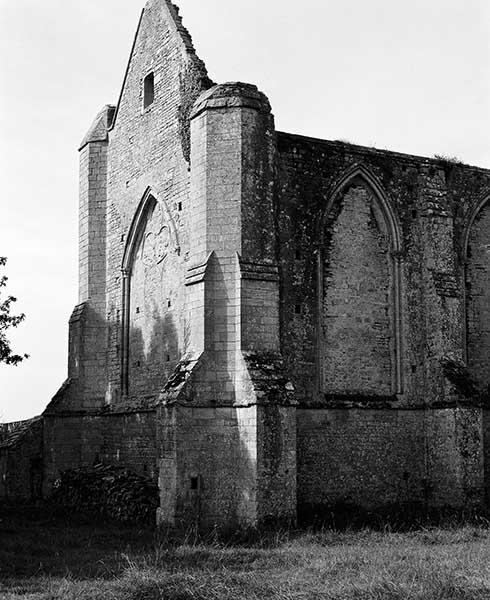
<point x="52" y="559"/>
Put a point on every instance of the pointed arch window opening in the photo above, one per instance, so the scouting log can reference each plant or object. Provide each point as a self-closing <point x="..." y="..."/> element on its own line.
<point x="359" y="175"/>
<point x="134" y="236"/>
<point x="133" y="239"/>
<point x="467" y="256"/>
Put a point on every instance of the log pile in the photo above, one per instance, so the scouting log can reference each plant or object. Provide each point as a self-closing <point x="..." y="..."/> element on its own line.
<point x="109" y="491"/>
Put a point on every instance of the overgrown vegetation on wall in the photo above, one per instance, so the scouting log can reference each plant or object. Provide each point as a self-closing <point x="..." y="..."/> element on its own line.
<point x="109" y="491"/>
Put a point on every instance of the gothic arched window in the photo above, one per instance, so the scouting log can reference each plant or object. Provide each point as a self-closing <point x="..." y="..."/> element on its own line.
<point x="359" y="304"/>
<point x="151" y="300"/>
<point x="477" y="290"/>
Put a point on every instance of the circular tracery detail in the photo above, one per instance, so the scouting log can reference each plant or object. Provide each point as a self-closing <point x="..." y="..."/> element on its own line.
<point x="156" y="239"/>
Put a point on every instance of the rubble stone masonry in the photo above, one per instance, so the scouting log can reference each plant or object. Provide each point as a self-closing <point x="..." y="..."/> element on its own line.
<point x="267" y="323"/>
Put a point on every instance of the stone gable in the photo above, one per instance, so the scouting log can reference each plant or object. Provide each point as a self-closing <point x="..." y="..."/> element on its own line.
<point x="269" y="325"/>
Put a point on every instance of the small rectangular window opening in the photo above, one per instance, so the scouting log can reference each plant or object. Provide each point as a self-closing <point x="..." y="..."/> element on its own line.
<point x="297" y="309"/>
<point x="194" y="483"/>
<point x="148" y="90"/>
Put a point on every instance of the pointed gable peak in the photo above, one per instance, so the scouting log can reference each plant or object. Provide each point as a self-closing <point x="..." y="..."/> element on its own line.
<point x="176" y="20"/>
<point x="155" y="15"/>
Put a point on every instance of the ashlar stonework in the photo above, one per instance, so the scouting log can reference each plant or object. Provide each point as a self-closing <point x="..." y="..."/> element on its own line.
<point x="267" y="323"/>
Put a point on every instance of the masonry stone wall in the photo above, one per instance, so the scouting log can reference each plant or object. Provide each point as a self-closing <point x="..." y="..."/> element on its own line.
<point x="486" y="452"/>
<point x="87" y="327"/>
<point x="72" y="441"/>
<point x="357" y="354"/>
<point x="149" y="150"/>
<point x="376" y="458"/>
<point x="368" y="444"/>
<point x="268" y="321"/>
<point x="224" y="410"/>
<point x="430" y="201"/>
<point x="456" y="454"/>
<point x="212" y="458"/>
<point x="21" y="467"/>
<point x="155" y="307"/>
<point x="368" y="457"/>
<point x="478" y="298"/>
<point x="276" y="464"/>
<point x="226" y="465"/>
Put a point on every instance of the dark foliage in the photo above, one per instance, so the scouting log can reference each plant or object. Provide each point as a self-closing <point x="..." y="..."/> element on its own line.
<point x="6" y="322"/>
<point x="457" y="373"/>
<point x="108" y="491"/>
<point x="449" y="159"/>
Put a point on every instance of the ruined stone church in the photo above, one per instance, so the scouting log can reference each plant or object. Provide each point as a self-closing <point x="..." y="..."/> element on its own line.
<point x="267" y="323"/>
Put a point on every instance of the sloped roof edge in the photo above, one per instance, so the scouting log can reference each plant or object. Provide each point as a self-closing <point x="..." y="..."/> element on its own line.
<point x="126" y="72"/>
<point x="16" y="431"/>
<point x="182" y="33"/>
<point x="100" y="126"/>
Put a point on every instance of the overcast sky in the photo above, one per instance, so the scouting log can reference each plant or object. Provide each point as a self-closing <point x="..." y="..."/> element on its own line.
<point x="407" y="76"/>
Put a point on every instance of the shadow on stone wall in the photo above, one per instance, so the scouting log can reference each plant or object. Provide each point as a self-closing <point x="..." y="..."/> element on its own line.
<point x="149" y="368"/>
<point x="208" y="466"/>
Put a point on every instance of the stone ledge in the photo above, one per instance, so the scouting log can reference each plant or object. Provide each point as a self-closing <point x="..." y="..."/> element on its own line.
<point x="196" y="274"/>
<point x="270" y="384"/>
<point x="288" y="141"/>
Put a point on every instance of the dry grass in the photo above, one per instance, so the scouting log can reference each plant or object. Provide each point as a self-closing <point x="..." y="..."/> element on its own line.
<point x="46" y="560"/>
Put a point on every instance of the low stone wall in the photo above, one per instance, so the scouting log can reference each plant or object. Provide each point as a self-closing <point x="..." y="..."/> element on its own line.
<point x="79" y="440"/>
<point x="21" y="460"/>
<point x="376" y="458"/>
<point x="227" y="466"/>
<point x="366" y="457"/>
<point x="486" y="453"/>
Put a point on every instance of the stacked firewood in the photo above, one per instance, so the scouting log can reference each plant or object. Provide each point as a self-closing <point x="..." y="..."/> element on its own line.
<point x="113" y="492"/>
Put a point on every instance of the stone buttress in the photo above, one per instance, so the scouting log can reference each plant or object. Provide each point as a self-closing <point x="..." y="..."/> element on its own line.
<point x="268" y="324"/>
<point x="227" y="425"/>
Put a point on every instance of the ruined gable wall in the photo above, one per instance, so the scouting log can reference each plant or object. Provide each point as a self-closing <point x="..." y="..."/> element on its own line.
<point x="149" y="147"/>
<point x="146" y="148"/>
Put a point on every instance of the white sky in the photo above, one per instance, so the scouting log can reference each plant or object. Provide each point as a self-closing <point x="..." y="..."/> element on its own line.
<point x="407" y="76"/>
